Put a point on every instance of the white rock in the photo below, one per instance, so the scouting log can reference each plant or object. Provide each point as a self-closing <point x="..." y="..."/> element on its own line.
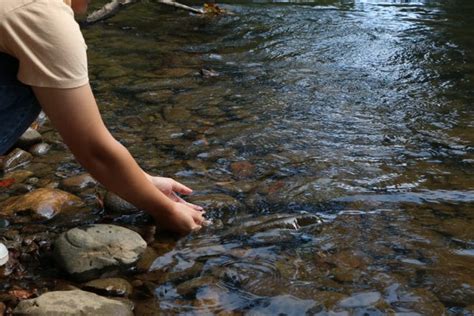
<point x="3" y="254"/>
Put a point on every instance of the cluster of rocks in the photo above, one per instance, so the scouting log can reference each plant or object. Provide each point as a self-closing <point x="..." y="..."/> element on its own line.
<point x="89" y="254"/>
<point x="30" y="144"/>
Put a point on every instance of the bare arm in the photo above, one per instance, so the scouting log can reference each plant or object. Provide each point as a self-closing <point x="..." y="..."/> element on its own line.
<point x="75" y="114"/>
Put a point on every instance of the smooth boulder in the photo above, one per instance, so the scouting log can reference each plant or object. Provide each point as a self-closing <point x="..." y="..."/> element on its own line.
<point x="88" y="252"/>
<point x="43" y="202"/>
<point x="72" y="303"/>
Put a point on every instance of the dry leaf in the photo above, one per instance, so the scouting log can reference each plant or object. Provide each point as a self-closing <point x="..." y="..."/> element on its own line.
<point x="21" y="294"/>
<point x="213" y="9"/>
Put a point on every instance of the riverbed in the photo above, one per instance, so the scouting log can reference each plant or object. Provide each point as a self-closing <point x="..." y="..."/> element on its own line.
<point x="357" y="112"/>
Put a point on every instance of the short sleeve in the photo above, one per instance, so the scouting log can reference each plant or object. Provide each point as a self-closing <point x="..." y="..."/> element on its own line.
<point x="49" y="44"/>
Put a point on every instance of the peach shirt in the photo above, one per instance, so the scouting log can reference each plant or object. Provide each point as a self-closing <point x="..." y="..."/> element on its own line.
<point x="47" y="41"/>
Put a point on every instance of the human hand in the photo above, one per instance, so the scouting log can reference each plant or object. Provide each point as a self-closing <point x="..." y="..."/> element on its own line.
<point x="181" y="219"/>
<point x="170" y="188"/>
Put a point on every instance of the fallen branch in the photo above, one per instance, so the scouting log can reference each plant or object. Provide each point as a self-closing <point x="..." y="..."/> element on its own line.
<point x="108" y="10"/>
<point x="181" y="6"/>
<point x="111" y="8"/>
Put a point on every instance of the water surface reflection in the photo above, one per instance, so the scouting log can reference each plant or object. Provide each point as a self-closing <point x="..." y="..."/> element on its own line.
<point x="359" y="112"/>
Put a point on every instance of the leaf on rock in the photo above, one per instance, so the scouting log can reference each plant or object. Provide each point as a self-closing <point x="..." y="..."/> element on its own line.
<point x="6" y="183"/>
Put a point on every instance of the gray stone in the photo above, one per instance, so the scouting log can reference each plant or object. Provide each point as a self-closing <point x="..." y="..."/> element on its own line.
<point x="361" y="300"/>
<point x="17" y="158"/>
<point x="29" y="138"/>
<point x="114" y="203"/>
<point x="72" y="303"/>
<point x="86" y="253"/>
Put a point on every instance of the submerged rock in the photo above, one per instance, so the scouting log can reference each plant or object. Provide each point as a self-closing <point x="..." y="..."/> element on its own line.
<point x="17" y="158"/>
<point x="72" y="303"/>
<point x="43" y="202"/>
<point x="29" y="138"/>
<point x="78" y="183"/>
<point x="87" y="252"/>
<point x="110" y="287"/>
<point x="115" y="203"/>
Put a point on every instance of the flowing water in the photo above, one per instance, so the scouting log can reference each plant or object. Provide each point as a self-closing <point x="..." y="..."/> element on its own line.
<point x="359" y="112"/>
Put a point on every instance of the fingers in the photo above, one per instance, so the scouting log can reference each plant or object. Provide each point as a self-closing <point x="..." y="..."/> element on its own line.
<point x="180" y="188"/>
<point x="198" y="218"/>
<point x="195" y="207"/>
<point x="178" y="199"/>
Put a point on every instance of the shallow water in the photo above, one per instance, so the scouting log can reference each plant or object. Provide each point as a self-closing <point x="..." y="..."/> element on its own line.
<point x="359" y="112"/>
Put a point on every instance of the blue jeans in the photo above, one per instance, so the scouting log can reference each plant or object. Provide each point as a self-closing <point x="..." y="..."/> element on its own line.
<point x="18" y="105"/>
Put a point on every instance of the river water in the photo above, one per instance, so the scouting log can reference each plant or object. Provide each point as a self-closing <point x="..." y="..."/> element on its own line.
<point x="357" y="112"/>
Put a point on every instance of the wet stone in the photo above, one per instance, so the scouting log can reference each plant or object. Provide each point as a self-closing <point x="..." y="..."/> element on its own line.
<point x="110" y="287"/>
<point x="69" y="303"/>
<point x="29" y="138"/>
<point x="43" y="202"/>
<point x="40" y="149"/>
<point x="114" y="203"/>
<point x="17" y="158"/>
<point x="87" y="252"/>
<point x="361" y="300"/>
<point x="78" y="183"/>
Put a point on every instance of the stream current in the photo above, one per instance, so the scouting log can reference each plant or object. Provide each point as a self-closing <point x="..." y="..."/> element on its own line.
<point x="357" y="112"/>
